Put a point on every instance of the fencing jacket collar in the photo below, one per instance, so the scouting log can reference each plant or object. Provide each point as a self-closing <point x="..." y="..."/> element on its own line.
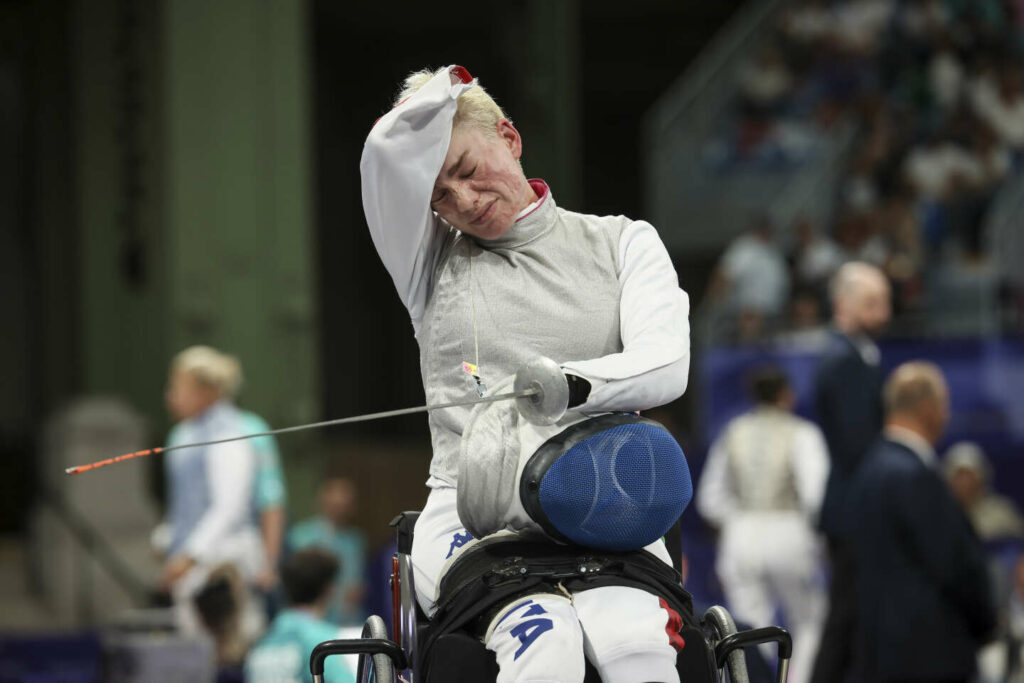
<point x="536" y="220"/>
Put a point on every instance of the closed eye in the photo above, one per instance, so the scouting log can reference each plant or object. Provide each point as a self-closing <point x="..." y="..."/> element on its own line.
<point x="468" y="174"/>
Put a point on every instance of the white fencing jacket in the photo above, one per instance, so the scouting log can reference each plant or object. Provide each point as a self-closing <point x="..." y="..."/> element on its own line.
<point x="597" y="294"/>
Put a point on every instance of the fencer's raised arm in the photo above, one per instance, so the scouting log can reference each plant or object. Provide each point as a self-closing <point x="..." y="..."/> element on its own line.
<point x="654" y="364"/>
<point x="401" y="158"/>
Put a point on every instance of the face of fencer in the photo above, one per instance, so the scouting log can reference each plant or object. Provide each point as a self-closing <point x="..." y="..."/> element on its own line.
<point x="186" y="397"/>
<point x="481" y="187"/>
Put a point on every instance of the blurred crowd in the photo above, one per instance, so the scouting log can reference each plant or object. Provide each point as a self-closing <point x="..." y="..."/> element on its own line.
<point x="934" y="92"/>
<point x="265" y="592"/>
<point x="926" y="561"/>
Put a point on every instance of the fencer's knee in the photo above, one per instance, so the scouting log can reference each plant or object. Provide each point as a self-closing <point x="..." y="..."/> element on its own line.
<point x="640" y="667"/>
<point x="537" y="638"/>
<point x="632" y="635"/>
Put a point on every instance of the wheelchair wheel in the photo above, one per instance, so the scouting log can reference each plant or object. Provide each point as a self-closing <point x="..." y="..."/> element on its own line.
<point x="378" y="668"/>
<point x="407" y="612"/>
<point x="722" y="624"/>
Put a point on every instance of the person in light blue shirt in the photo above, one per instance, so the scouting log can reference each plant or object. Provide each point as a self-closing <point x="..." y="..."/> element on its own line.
<point x="211" y="518"/>
<point x="331" y="530"/>
<point x="270" y="497"/>
<point x="282" y="655"/>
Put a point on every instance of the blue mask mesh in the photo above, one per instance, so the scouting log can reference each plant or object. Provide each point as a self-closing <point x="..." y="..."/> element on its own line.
<point x="620" y="489"/>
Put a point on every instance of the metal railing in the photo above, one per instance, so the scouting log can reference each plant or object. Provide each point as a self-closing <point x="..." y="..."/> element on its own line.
<point x="695" y="208"/>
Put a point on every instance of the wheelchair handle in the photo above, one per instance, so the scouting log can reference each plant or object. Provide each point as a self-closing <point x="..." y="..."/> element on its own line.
<point x="355" y="646"/>
<point x="756" y="636"/>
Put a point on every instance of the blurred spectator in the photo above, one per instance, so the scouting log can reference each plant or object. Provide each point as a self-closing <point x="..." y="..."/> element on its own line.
<point x="331" y="530"/>
<point x="848" y="400"/>
<point x="283" y="653"/>
<point x="921" y="20"/>
<point x="916" y="556"/>
<point x="947" y="77"/>
<point x="765" y="82"/>
<point x="905" y="260"/>
<point x="762" y="487"/>
<point x="816" y="257"/>
<point x="1000" y="104"/>
<point x="751" y="283"/>
<point x="968" y="473"/>
<point x="211" y="489"/>
<point x="859" y="190"/>
<point x="993" y="157"/>
<point x="938" y="168"/>
<point x="809" y="22"/>
<point x="859" y="24"/>
<point x="805" y="328"/>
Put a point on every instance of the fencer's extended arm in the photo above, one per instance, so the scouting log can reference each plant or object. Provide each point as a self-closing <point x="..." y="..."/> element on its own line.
<point x="231" y="472"/>
<point x="401" y="158"/>
<point x="654" y="364"/>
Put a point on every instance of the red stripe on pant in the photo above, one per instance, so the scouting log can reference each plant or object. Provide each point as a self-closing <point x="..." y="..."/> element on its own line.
<point x="674" y="625"/>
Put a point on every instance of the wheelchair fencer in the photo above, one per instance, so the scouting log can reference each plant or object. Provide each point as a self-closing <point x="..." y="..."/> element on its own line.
<point x="448" y="648"/>
<point x="560" y="510"/>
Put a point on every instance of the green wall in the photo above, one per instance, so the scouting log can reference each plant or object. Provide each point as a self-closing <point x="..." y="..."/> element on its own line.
<point x="193" y="160"/>
<point x="237" y="193"/>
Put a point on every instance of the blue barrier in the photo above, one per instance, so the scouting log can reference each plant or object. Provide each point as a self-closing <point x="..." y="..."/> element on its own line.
<point x="66" y="658"/>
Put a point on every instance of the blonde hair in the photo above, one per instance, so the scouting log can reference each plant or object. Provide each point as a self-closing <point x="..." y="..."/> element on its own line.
<point x="851" y="276"/>
<point x="912" y="384"/>
<point x="475" y="107"/>
<point x="211" y="368"/>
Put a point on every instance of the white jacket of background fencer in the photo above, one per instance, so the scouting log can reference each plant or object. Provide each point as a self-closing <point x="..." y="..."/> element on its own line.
<point x="767" y="460"/>
<point x="598" y="295"/>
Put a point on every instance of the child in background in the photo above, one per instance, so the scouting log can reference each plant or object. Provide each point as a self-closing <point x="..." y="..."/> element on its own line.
<point x="283" y="654"/>
<point x="330" y="529"/>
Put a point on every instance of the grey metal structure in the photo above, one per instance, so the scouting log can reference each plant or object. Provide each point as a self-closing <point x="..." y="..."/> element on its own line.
<point x="699" y="203"/>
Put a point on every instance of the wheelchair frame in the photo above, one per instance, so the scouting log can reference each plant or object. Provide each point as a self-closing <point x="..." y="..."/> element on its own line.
<point x="384" y="659"/>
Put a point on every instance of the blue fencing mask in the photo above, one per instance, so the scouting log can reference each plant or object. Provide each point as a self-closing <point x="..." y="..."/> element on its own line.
<point x="611" y="482"/>
<point x="615" y="482"/>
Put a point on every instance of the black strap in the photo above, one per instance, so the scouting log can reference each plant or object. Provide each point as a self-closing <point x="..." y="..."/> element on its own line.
<point x="495" y="572"/>
<point x="579" y="390"/>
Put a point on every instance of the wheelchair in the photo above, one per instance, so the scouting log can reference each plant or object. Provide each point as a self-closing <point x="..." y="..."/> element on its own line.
<point x="495" y="571"/>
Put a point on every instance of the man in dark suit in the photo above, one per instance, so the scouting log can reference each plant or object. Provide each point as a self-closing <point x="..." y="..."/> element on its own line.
<point x="925" y="604"/>
<point x="848" y="400"/>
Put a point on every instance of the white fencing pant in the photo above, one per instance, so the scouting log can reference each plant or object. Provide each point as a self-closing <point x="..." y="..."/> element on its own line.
<point x="626" y="633"/>
<point x="768" y="560"/>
